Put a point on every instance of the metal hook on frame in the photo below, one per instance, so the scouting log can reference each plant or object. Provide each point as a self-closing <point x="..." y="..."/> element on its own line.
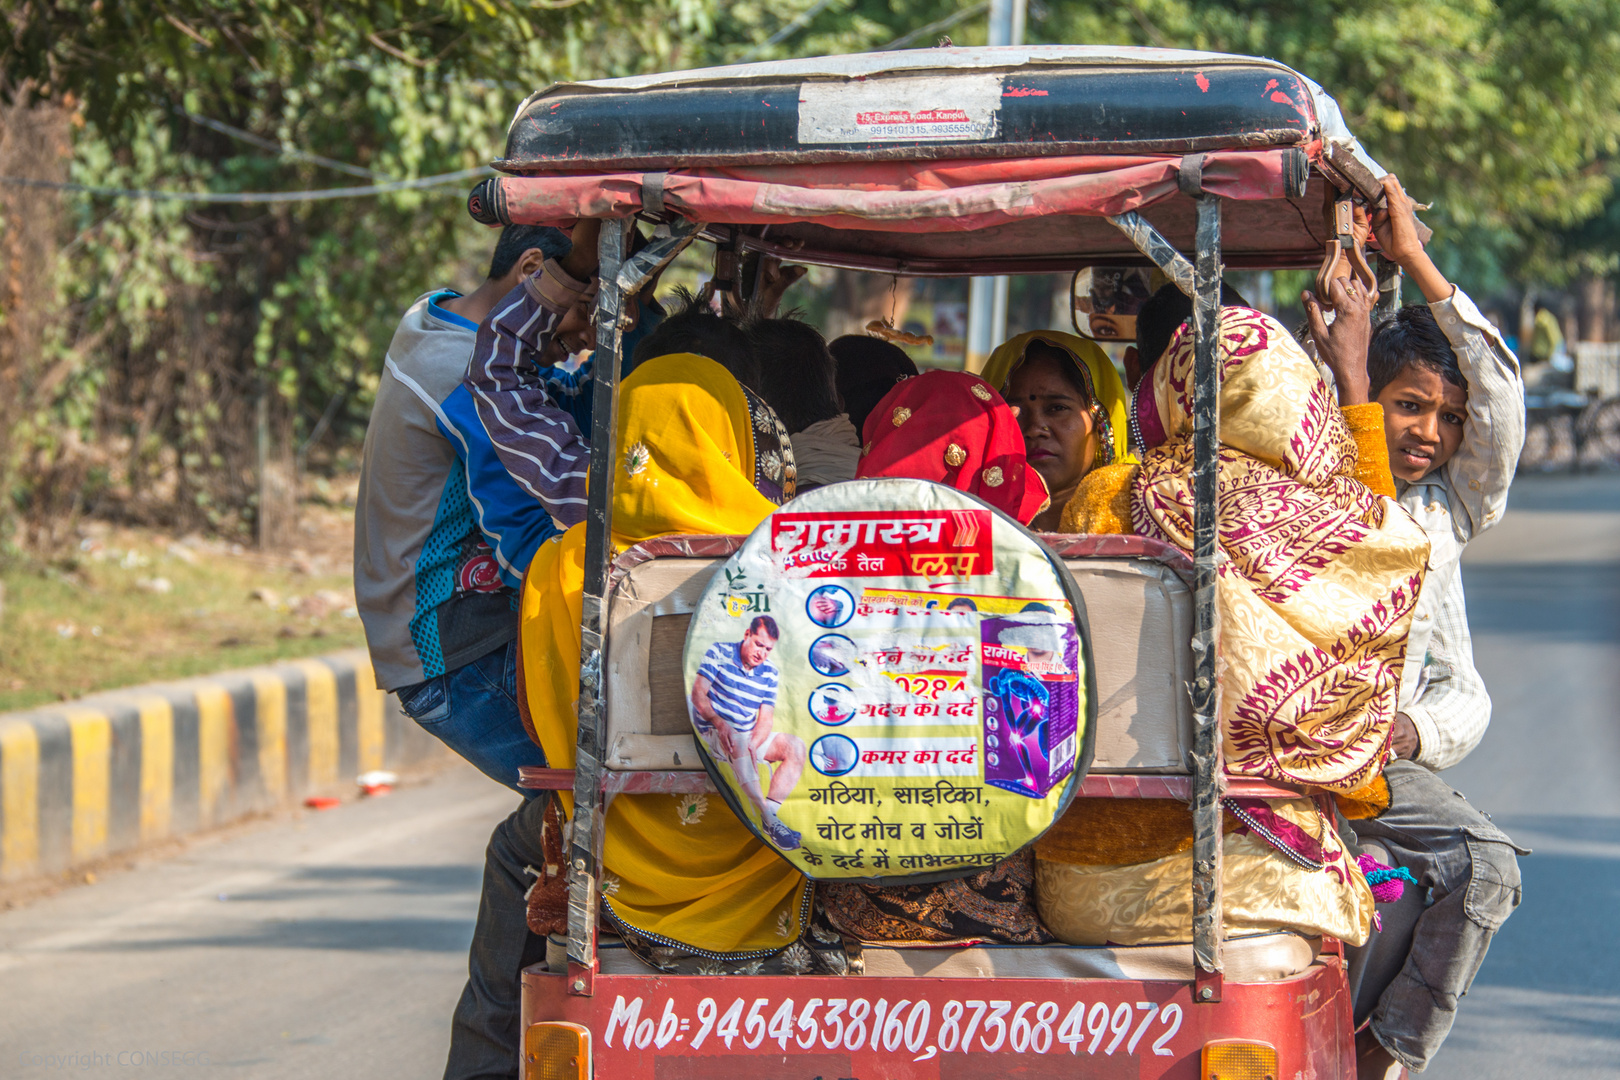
<point x="1343" y="247"/>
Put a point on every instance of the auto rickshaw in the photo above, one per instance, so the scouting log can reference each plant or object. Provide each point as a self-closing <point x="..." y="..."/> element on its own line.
<point x="942" y="162"/>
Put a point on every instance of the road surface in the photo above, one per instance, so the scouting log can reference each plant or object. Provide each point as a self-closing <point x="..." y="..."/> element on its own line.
<point x="1544" y="606"/>
<point x="334" y="944"/>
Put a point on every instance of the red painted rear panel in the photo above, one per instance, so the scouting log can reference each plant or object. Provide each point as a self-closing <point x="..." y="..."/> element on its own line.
<point x="809" y="1027"/>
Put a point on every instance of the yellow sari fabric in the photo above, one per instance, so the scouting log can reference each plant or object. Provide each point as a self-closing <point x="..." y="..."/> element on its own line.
<point x="678" y="868"/>
<point x="1319" y="575"/>
<point x="1099" y="371"/>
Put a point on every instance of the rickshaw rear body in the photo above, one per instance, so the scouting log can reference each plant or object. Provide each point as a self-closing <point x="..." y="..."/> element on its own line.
<point x="912" y="1028"/>
<point x="1017" y="161"/>
<point x="1139" y="1008"/>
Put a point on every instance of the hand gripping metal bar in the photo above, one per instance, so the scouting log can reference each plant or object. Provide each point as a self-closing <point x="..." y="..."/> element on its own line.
<point x="1343" y="247"/>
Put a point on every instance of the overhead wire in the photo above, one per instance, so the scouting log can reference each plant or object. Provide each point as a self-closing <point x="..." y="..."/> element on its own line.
<point x="383" y="186"/>
<point x="798" y="22"/>
<point x="934" y="27"/>
<point x="291" y="152"/>
<point x="242" y="197"/>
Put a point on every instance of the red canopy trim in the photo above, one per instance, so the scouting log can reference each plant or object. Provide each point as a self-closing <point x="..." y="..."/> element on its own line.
<point x="894" y="196"/>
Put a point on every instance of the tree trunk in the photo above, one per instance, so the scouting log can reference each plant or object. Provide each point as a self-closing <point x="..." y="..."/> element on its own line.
<point x="33" y="144"/>
<point x="859" y="298"/>
<point x="1594" y="302"/>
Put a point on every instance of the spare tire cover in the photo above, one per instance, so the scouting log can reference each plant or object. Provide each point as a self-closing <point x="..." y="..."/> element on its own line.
<point x="891" y="681"/>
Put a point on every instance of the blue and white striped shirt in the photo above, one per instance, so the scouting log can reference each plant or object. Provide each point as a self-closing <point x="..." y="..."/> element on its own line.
<point x="735" y="691"/>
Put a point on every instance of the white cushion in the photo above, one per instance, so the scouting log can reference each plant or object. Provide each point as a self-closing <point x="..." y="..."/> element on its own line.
<point x="1139" y="611"/>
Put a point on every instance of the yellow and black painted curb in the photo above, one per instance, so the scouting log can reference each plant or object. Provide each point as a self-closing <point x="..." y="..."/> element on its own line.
<point x="115" y="771"/>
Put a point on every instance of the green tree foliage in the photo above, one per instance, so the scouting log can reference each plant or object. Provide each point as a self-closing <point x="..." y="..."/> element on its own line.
<point x="172" y="322"/>
<point x="181" y="326"/>
<point x="1499" y="112"/>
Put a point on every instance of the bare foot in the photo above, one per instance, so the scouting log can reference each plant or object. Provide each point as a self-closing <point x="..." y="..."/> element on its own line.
<point x="1373" y="1062"/>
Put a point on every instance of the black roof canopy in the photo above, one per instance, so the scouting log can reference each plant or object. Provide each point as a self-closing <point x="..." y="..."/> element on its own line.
<point x="798" y="129"/>
<point x="921" y="104"/>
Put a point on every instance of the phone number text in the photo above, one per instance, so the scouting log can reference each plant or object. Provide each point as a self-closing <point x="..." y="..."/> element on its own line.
<point x="1027" y="1027"/>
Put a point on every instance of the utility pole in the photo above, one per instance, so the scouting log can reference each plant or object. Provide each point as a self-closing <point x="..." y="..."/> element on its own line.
<point x="987" y="296"/>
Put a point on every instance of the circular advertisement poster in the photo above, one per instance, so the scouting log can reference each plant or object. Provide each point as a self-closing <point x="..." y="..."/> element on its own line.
<point x="887" y="695"/>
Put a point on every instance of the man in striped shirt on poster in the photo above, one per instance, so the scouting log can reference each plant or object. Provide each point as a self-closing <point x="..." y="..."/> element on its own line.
<point x="734" y="702"/>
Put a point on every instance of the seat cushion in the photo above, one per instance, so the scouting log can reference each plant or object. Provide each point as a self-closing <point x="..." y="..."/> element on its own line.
<point x="1140" y="616"/>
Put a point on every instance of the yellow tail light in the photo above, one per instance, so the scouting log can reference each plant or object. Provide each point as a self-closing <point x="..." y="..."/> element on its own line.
<point x="1237" y="1059"/>
<point x="555" y="1050"/>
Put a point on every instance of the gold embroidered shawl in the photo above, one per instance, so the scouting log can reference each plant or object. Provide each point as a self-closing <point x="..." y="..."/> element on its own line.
<point x="1318" y="576"/>
<point x="1150" y="903"/>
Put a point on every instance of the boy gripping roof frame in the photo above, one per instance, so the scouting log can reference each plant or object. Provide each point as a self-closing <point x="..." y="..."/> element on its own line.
<point x="1453" y="405"/>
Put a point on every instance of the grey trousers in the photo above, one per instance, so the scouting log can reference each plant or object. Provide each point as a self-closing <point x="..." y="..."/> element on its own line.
<point x="484" y="1033"/>
<point x="1407" y="979"/>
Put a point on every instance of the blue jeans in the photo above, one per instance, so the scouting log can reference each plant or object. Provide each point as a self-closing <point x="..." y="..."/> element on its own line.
<point x="474" y="711"/>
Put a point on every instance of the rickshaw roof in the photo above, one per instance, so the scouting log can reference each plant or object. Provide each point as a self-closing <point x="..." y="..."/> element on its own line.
<point x="925" y="160"/>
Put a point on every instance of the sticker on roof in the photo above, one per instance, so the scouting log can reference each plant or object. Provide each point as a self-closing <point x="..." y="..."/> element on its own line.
<point x="926" y="109"/>
<point x="892" y="694"/>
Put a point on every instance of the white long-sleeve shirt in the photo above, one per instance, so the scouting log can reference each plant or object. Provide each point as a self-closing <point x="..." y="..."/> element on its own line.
<point x="1441" y="691"/>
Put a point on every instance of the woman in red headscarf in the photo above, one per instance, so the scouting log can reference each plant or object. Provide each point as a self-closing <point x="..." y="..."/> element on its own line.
<point x="953" y="428"/>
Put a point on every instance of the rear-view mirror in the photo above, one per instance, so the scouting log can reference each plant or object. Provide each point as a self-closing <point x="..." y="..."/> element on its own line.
<point x="1104" y="301"/>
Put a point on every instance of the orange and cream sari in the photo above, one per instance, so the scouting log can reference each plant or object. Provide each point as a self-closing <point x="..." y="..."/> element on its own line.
<point x="1318" y="576"/>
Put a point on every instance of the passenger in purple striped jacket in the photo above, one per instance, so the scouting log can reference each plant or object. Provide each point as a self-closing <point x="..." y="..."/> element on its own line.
<point x="542" y="321"/>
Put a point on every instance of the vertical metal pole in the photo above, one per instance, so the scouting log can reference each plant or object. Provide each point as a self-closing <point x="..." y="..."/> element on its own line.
<point x="999" y="289"/>
<point x="587" y="826"/>
<point x="981" y="340"/>
<point x="987" y="296"/>
<point x="1002" y="18"/>
<point x="1209" y="779"/>
<point x="1265" y="281"/>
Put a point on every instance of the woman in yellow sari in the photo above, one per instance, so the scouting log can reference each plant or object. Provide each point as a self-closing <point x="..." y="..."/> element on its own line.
<point x="694" y="453"/>
<point x="1072" y="408"/>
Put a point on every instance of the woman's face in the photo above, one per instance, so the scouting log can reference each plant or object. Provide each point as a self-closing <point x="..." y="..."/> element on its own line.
<point x="1059" y="433"/>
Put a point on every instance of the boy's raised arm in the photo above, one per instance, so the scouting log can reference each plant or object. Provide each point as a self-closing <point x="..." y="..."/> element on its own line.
<point x="1479" y="473"/>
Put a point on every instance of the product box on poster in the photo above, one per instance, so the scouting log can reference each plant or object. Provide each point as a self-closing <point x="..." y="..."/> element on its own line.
<point x="1030" y="673"/>
<point x="890" y="680"/>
